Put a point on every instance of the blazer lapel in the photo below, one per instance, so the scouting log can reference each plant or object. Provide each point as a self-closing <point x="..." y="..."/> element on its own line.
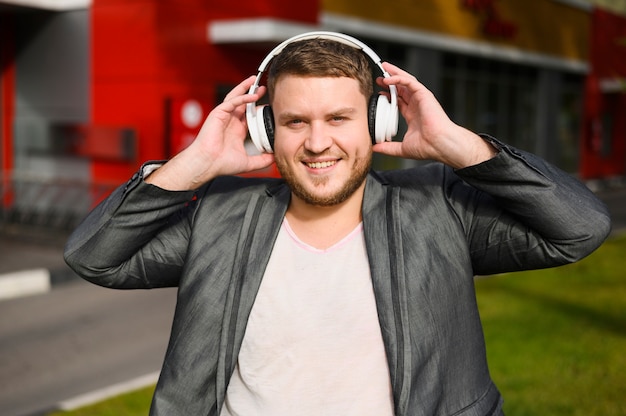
<point x="264" y="216"/>
<point x="384" y="247"/>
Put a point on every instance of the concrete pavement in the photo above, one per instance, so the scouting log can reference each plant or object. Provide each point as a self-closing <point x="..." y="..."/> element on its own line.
<point x="31" y="260"/>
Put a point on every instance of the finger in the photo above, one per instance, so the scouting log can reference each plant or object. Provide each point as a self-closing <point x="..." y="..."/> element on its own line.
<point x="261" y="161"/>
<point x="399" y="76"/>
<point x="389" y="148"/>
<point x="233" y="102"/>
<point x="407" y="81"/>
<point x="241" y="88"/>
<point x="394" y="70"/>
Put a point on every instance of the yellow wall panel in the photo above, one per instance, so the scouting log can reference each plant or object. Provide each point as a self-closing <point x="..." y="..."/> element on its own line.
<point x="541" y="26"/>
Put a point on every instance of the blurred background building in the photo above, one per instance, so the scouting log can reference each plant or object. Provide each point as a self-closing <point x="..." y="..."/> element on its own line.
<point x="92" y="88"/>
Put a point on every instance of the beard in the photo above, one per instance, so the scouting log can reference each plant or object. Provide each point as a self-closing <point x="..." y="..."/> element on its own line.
<point x="357" y="176"/>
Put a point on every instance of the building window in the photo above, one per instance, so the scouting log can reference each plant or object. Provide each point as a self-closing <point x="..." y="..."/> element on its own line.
<point x="569" y="123"/>
<point x="491" y="97"/>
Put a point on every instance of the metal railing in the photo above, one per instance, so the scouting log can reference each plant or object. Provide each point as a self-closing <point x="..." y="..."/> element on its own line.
<point x="44" y="202"/>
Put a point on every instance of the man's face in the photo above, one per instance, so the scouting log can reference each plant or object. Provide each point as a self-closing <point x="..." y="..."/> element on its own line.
<point x="322" y="145"/>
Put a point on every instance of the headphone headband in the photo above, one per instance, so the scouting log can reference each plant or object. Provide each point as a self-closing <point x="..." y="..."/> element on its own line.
<point x="338" y="37"/>
<point x="251" y="113"/>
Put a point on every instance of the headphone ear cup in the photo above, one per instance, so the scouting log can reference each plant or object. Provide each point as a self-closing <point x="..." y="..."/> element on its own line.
<point x="383" y="112"/>
<point x="253" y="126"/>
<point x="268" y="121"/>
<point x="371" y="117"/>
<point x="378" y="118"/>
<point x="263" y="141"/>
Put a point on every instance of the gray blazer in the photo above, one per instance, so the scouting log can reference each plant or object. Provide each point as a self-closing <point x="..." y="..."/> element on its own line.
<point x="428" y="231"/>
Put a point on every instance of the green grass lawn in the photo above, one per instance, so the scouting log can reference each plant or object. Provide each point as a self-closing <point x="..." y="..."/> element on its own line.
<point x="136" y="403"/>
<point x="556" y="340"/>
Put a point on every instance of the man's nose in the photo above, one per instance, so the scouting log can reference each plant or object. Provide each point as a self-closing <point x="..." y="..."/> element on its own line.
<point x="319" y="138"/>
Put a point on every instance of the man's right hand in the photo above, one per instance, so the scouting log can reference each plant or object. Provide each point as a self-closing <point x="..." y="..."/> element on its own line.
<point x="218" y="148"/>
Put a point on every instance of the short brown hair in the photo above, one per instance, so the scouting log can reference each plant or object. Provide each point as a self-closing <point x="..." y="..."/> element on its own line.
<point x="321" y="58"/>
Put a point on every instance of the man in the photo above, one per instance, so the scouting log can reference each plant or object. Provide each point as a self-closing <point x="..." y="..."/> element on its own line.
<point x="336" y="290"/>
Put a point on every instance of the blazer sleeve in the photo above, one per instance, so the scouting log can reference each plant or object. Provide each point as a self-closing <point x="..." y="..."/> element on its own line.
<point x="135" y="238"/>
<point x="528" y="214"/>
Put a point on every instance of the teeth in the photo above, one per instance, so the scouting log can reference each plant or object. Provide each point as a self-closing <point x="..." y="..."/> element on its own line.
<point x="320" y="165"/>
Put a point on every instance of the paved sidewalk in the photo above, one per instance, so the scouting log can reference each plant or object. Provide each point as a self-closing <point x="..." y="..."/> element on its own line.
<point x="31" y="259"/>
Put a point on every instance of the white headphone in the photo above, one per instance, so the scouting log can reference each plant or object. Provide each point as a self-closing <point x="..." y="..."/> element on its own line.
<point x="383" y="114"/>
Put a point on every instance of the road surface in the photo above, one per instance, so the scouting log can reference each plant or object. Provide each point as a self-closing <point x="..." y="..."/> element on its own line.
<point x="78" y="338"/>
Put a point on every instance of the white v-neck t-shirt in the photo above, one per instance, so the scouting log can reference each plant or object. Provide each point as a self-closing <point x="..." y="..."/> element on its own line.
<point x="313" y="344"/>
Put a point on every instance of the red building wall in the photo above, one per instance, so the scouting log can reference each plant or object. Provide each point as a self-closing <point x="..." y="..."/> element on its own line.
<point x="7" y="105"/>
<point x="146" y="53"/>
<point x="603" y="145"/>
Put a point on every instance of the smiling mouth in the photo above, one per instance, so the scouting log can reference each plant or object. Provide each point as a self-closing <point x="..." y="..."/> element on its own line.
<point x="321" y="165"/>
